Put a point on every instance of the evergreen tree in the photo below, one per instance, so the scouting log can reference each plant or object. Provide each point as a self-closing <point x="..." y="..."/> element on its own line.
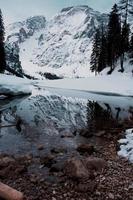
<point x="126" y="7"/>
<point x="124" y="45"/>
<point x="114" y="37"/>
<point x="131" y="49"/>
<point x="103" y="50"/>
<point x="2" y="48"/>
<point x="95" y="52"/>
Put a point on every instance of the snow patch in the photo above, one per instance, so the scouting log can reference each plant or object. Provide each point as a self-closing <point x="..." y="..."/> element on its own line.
<point x="13" y="86"/>
<point x="126" y="146"/>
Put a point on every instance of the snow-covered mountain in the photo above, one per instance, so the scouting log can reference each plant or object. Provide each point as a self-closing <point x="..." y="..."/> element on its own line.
<point x="61" y="45"/>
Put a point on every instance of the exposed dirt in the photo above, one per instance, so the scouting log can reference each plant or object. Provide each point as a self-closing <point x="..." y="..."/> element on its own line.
<point x="114" y="182"/>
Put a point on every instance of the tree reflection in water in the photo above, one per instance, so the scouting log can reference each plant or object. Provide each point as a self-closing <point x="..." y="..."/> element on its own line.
<point x="100" y="117"/>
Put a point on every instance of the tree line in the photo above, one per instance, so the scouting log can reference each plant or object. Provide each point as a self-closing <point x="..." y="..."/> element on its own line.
<point x="2" y="45"/>
<point x="113" y="41"/>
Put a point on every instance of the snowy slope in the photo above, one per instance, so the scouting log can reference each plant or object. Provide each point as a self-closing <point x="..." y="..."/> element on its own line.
<point x="13" y="86"/>
<point x="106" y="85"/>
<point x="61" y="46"/>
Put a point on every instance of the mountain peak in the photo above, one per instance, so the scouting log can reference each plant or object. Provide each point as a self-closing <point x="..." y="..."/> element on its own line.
<point x="80" y="7"/>
<point x="62" y="45"/>
<point x="36" y="22"/>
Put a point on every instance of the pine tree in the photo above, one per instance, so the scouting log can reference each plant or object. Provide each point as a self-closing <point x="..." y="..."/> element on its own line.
<point x="103" y="50"/>
<point x="2" y="48"/>
<point x="124" y="45"/>
<point x="126" y="7"/>
<point x="95" y="52"/>
<point x="114" y="37"/>
<point x="131" y="49"/>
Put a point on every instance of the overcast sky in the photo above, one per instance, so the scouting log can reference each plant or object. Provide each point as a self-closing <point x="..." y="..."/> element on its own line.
<point x="16" y="10"/>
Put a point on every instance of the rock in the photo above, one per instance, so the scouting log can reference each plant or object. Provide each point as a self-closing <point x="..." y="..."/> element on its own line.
<point x="57" y="167"/>
<point x="33" y="178"/>
<point x="21" y="169"/>
<point x="111" y="196"/>
<point x="28" y="156"/>
<point x="47" y="161"/>
<point x="85" y="133"/>
<point x="83" y="168"/>
<point x="95" y="163"/>
<point x="89" y="187"/>
<point x="131" y="186"/>
<point x="40" y="147"/>
<point x="53" y="198"/>
<point x="86" y="148"/>
<point x="5" y="161"/>
<point x="74" y="168"/>
<point x="59" y="150"/>
<point x="100" y="133"/>
<point x="67" y="135"/>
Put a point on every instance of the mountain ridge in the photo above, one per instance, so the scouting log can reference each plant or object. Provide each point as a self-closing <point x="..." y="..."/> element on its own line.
<point x="61" y="45"/>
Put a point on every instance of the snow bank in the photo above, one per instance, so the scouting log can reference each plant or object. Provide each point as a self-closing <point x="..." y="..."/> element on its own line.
<point x="126" y="148"/>
<point x="107" y="85"/>
<point x="11" y="85"/>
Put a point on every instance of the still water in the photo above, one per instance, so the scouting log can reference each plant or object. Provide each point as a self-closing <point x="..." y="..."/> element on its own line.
<point x="44" y="117"/>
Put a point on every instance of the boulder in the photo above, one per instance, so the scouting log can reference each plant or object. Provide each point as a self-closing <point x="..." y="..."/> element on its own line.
<point x="75" y="169"/>
<point x="97" y="164"/>
<point x="83" y="168"/>
<point x="86" y="148"/>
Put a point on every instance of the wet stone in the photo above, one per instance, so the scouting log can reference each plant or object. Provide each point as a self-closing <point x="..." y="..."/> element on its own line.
<point x="85" y="133"/>
<point x="86" y="148"/>
<point x="40" y="147"/>
<point x="47" y="161"/>
<point x="59" y="150"/>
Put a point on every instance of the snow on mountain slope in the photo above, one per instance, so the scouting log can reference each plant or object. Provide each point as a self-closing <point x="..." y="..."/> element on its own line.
<point x="61" y="46"/>
<point x="14" y="86"/>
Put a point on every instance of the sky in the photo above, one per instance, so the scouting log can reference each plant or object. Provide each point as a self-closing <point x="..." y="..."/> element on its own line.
<point x="17" y="10"/>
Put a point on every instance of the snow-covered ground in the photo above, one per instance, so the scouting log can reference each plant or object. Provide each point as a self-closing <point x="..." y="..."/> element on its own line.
<point x="12" y="85"/>
<point x="102" y="84"/>
<point x="126" y="146"/>
<point x="115" y="85"/>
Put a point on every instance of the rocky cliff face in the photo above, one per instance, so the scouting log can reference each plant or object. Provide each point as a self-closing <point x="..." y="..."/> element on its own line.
<point x="18" y="33"/>
<point x="61" y="46"/>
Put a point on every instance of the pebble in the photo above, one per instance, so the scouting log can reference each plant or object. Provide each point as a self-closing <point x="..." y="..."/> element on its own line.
<point x="40" y="147"/>
<point x="131" y="186"/>
<point x="111" y="196"/>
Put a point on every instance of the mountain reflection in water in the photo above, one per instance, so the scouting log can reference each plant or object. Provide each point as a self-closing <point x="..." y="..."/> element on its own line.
<point x="42" y="119"/>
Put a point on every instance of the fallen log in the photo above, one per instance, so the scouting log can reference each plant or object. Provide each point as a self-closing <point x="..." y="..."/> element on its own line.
<point x="9" y="193"/>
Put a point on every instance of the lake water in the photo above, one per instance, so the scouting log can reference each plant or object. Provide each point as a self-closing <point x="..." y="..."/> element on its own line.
<point x="47" y="114"/>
